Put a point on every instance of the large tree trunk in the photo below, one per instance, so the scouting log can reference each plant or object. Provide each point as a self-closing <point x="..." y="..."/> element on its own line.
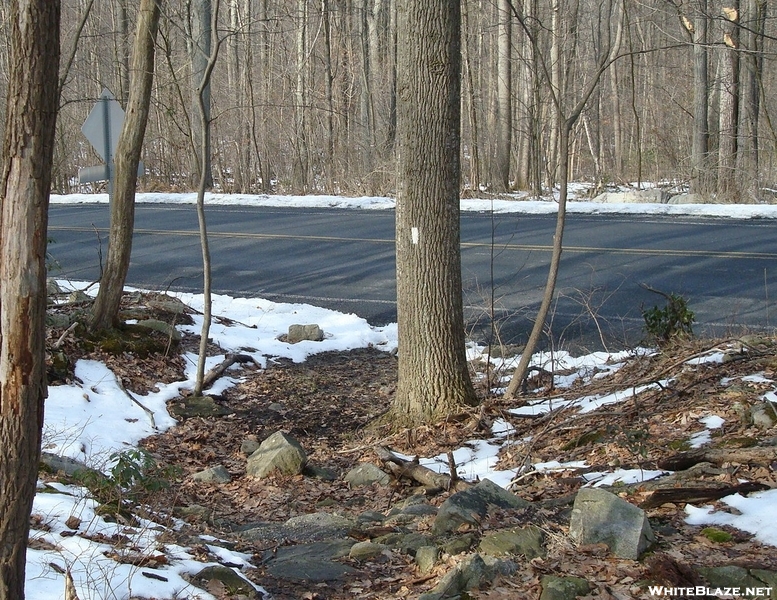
<point x="106" y="307"/>
<point x="729" y="105"/>
<point x="28" y="146"/>
<point x="752" y="21"/>
<point x="700" y="142"/>
<point x="434" y="379"/>
<point x="504" y="94"/>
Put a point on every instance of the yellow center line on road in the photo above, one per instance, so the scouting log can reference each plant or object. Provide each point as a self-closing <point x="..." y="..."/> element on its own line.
<point x="496" y="246"/>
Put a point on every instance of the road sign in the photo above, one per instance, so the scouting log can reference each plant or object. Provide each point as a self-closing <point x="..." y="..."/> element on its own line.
<point x="103" y="125"/>
<point x="102" y="128"/>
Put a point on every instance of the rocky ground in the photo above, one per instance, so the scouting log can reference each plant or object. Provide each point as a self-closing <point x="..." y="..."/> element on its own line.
<point x="383" y="541"/>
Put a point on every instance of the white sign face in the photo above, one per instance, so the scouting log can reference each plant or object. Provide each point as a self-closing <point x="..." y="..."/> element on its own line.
<point x="103" y="125"/>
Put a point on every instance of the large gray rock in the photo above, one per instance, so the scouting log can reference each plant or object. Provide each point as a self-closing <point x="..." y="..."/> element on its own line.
<point x="217" y="474"/>
<point x="599" y="516"/>
<point x="161" y="326"/>
<point x="301" y="333"/>
<point x="366" y="474"/>
<point x="563" y="588"/>
<point x="66" y="465"/>
<point x="279" y="453"/>
<point x="468" y="507"/>
<point x="527" y="541"/>
<point x="313" y="562"/>
<point x="229" y="579"/>
<point x="471" y="573"/>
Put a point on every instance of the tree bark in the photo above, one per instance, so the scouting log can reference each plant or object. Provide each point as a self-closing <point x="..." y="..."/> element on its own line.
<point x="203" y="115"/>
<point x="700" y="143"/>
<point x="130" y="144"/>
<point x="28" y="146"/>
<point x="504" y="94"/>
<point x="729" y="104"/>
<point x="434" y="380"/>
<point x="200" y="52"/>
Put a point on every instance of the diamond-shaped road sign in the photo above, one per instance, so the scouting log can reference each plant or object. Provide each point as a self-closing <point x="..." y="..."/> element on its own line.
<point x="102" y="128"/>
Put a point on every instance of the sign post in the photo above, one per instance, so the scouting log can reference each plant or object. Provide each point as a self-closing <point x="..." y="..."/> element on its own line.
<point x="102" y="128"/>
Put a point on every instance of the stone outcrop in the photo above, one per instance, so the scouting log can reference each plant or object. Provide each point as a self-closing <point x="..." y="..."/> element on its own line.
<point x="600" y="517"/>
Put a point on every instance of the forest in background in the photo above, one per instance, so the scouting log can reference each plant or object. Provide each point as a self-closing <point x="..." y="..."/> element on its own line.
<point x="303" y="96"/>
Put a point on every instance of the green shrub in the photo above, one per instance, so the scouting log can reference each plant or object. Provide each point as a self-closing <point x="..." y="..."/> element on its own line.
<point x="673" y="320"/>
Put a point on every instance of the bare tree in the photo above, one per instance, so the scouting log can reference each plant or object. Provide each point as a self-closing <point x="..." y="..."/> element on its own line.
<point x="504" y="95"/>
<point x="434" y="380"/>
<point x="202" y="116"/>
<point x="128" y="148"/>
<point x="568" y="118"/>
<point x="28" y="147"/>
<point x="201" y="40"/>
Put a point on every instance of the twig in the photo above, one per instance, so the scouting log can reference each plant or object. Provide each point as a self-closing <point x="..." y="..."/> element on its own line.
<point x="229" y="360"/>
<point x="61" y="340"/>
<point x="147" y="410"/>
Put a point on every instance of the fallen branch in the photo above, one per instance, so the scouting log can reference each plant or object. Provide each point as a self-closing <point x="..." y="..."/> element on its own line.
<point x="698" y="494"/>
<point x="229" y="360"/>
<point x="423" y="475"/>
<point x="147" y="410"/>
<point x="717" y="456"/>
<point x="61" y="340"/>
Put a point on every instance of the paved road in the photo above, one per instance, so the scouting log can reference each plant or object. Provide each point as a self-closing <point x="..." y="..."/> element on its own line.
<point x="344" y="259"/>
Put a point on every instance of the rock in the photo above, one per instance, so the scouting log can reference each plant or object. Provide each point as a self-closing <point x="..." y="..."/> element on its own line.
<point x="276" y="407"/>
<point x="232" y="582"/>
<point x="468" y="507"/>
<point x="371" y="516"/>
<point x="249" y="445"/>
<point x="194" y="513"/>
<point x="58" y="320"/>
<point x="302" y="333"/>
<point x="68" y="466"/>
<point x="157" y="325"/>
<point x="168" y="304"/>
<point x="217" y="474"/>
<point x="763" y="415"/>
<point x="459" y="544"/>
<point x="325" y="524"/>
<point x="599" y="516"/>
<point x="362" y="551"/>
<point x="527" y="541"/>
<point x="321" y="473"/>
<point x="471" y="573"/>
<point x="366" y="474"/>
<point x="426" y="558"/>
<point x="52" y="287"/>
<point x="652" y="195"/>
<point x="279" y="453"/>
<point x="407" y="543"/>
<point x="78" y="297"/>
<point x="563" y="588"/>
<point x="197" y="406"/>
<point x="729" y="576"/>
<point x="309" y="562"/>
<point x="768" y="577"/>
<point x="302" y="529"/>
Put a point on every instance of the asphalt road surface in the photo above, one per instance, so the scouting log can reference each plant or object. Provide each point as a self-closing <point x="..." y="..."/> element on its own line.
<point x="344" y="259"/>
